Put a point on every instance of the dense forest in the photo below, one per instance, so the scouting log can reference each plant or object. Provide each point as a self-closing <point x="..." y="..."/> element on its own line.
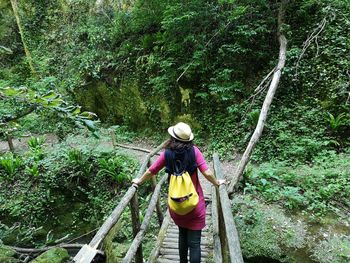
<point x="78" y="77"/>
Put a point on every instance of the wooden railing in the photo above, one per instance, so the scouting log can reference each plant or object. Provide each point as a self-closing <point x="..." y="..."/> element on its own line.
<point x="88" y="252"/>
<point x="226" y="241"/>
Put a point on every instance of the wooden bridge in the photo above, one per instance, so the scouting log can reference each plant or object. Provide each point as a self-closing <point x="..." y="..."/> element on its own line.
<point x="220" y="242"/>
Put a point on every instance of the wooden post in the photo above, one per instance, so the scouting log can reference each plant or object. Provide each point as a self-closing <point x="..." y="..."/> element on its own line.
<point x="10" y="142"/>
<point x="114" y="142"/>
<point x="159" y="210"/>
<point x="135" y="219"/>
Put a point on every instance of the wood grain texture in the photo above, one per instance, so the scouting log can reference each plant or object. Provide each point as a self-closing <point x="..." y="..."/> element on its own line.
<point x="130" y="255"/>
<point x="231" y="233"/>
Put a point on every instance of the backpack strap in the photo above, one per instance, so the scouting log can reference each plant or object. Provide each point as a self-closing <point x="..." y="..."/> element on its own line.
<point x="173" y="166"/>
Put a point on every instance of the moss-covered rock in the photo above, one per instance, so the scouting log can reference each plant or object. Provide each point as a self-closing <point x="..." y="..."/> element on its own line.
<point x="6" y="259"/>
<point x="267" y="232"/>
<point x="116" y="104"/>
<point x="54" y="255"/>
<point x="7" y="251"/>
<point x="7" y="255"/>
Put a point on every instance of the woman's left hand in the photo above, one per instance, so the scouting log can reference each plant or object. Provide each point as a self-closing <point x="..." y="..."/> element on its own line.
<point x="136" y="182"/>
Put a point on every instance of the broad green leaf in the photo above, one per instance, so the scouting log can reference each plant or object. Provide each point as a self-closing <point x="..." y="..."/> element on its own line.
<point x="54" y="103"/>
<point x="50" y="95"/>
<point x="88" y="115"/>
<point x="8" y="91"/>
<point x="90" y="124"/>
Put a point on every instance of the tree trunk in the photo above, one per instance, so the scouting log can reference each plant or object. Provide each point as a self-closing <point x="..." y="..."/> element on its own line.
<point x="10" y="143"/>
<point x="267" y="102"/>
<point x="14" y="5"/>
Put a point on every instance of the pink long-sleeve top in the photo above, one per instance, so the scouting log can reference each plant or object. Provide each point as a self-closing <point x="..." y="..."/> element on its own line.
<point x="194" y="220"/>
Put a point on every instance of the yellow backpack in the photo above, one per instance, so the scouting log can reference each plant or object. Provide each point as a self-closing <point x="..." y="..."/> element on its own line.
<point x="182" y="195"/>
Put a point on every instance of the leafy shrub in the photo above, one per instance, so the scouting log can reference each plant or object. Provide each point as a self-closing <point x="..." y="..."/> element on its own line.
<point x="70" y="186"/>
<point x="10" y="164"/>
<point x="36" y="142"/>
<point x="116" y="167"/>
<point x="332" y="249"/>
<point x="336" y="122"/>
<point x="266" y="231"/>
<point x="314" y="187"/>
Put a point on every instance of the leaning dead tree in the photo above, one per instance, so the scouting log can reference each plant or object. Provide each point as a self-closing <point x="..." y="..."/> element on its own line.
<point x="267" y="102"/>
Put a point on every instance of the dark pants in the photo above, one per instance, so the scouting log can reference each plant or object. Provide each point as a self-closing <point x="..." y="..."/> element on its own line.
<point x="190" y="239"/>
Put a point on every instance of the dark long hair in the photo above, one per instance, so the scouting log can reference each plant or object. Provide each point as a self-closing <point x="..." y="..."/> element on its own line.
<point x="175" y="151"/>
<point x="173" y="144"/>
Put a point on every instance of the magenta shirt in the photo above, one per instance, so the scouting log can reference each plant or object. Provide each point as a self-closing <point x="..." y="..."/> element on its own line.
<point x="194" y="220"/>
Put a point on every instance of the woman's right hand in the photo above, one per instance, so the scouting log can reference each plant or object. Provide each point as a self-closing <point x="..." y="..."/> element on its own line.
<point x="221" y="181"/>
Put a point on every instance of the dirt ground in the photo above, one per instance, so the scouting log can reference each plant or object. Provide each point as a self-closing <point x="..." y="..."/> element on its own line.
<point x="21" y="144"/>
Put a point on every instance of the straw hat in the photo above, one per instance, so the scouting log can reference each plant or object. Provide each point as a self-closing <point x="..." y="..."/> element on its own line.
<point x="181" y="132"/>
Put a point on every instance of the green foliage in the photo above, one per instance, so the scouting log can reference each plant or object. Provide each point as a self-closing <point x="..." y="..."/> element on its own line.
<point x="266" y="231"/>
<point x="294" y="134"/>
<point x="36" y="142"/>
<point x="9" y="163"/>
<point x="315" y="188"/>
<point x="115" y="167"/>
<point x="74" y="188"/>
<point x="333" y="249"/>
<point x="336" y="122"/>
<point x="49" y="100"/>
<point x="220" y="49"/>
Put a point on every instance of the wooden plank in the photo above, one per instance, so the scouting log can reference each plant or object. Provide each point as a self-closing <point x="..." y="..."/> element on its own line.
<point x="161" y="236"/>
<point x="215" y="219"/>
<point x="230" y="227"/>
<point x="173" y="251"/>
<point x="164" y="260"/>
<point x="86" y="254"/>
<point x="170" y="257"/>
<point x="138" y="239"/>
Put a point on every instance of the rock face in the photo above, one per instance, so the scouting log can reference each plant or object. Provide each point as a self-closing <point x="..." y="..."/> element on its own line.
<point x="7" y="255"/>
<point x="54" y="255"/>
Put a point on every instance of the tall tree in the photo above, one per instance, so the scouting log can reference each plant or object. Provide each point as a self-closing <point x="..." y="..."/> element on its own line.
<point x="14" y="5"/>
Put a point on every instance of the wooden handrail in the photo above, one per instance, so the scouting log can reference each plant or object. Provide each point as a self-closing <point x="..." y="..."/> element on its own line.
<point x="113" y="218"/>
<point x="138" y="238"/>
<point x="230" y="231"/>
<point x="161" y="236"/>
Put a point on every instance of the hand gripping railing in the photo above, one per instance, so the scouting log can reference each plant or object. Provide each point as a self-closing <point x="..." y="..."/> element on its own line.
<point x="88" y="252"/>
<point x="226" y="240"/>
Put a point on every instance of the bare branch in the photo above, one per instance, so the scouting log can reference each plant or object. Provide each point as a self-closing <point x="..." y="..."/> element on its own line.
<point x="313" y="37"/>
